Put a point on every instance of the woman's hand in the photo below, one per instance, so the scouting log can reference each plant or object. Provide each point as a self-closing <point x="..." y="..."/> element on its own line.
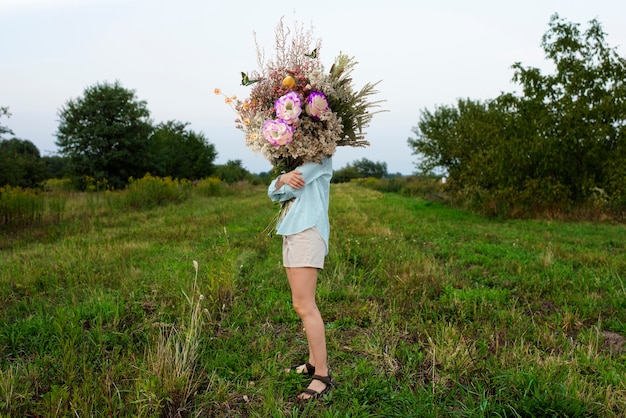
<point x="292" y="178"/>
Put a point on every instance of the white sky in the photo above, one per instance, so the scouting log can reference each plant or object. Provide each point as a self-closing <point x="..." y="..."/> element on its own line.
<point x="174" y="53"/>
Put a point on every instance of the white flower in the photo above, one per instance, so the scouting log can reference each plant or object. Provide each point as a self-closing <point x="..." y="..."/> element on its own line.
<point x="288" y="107"/>
<point x="277" y="132"/>
<point x="317" y="104"/>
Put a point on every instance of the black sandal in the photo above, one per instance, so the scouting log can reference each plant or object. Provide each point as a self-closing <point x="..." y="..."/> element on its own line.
<point x="327" y="380"/>
<point x="300" y="369"/>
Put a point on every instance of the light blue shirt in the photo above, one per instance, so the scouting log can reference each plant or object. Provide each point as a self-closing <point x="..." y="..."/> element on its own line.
<point x="310" y="207"/>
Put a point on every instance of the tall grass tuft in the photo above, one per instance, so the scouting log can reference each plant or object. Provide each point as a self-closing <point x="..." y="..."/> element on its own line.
<point x="173" y="373"/>
<point x="56" y="203"/>
<point x="20" y="207"/>
<point x="7" y="388"/>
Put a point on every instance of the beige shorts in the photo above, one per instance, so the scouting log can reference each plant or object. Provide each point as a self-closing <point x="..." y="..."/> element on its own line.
<point x="304" y="249"/>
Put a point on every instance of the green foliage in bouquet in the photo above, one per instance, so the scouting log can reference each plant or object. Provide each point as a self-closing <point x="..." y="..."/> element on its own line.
<point x="353" y="107"/>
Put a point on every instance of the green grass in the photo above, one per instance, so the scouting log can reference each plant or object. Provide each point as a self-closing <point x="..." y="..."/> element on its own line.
<point x="430" y="311"/>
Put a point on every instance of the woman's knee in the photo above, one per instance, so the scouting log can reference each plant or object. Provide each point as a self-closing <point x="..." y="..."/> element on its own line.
<point x="304" y="308"/>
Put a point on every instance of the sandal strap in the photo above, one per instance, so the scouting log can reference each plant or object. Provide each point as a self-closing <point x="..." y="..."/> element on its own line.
<point x="327" y="380"/>
<point x="310" y="369"/>
<point x="310" y="392"/>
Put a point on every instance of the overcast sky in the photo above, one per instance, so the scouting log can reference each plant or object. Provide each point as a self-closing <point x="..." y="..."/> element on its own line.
<point x="174" y="53"/>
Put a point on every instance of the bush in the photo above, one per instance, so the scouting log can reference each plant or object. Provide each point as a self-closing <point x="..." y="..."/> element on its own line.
<point x="210" y="187"/>
<point x="430" y="188"/>
<point x="59" y="185"/>
<point x="150" y="191"/>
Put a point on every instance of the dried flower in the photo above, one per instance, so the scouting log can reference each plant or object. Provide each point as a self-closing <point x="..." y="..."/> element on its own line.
<point x="335" y="114"/>
<point x="289" y="82"/>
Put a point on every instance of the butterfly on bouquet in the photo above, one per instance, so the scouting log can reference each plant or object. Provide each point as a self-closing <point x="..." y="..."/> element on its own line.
<point x="247" y="81"/>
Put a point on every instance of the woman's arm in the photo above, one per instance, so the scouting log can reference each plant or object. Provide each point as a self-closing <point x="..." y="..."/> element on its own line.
<point x="286" y="186"/>
<point x="290" y="184"/>
<point x="293" y="178"/>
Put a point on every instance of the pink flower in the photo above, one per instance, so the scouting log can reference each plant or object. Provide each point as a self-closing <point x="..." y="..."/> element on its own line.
<point x="288" y="107"/>
<point x="317" y="104"/>
<point x="277" y="132"/>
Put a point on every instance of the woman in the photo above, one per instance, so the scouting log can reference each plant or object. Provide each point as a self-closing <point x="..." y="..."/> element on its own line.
<point x="305" y="230"/>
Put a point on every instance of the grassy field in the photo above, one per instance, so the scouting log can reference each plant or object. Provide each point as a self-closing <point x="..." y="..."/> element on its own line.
<point x="430" y="312"/>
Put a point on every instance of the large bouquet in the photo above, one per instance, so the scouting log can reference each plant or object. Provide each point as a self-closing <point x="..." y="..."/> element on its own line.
<point x="297" y="112"/>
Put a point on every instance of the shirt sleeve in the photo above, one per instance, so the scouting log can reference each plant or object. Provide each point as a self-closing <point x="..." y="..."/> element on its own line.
<point x="310" y="172"/>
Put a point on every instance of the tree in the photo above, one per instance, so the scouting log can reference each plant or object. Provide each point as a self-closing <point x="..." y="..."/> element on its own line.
<point x="582" y="107"/>
<point x="367" y="168"/>
<point x="180" y="153"/>
<point x="20" y="163"/>
<point x="232" y="172"/>
<point x="363" y="168"/>
<point x="563" y="138"/>
<point x="345" y="174"/>
<point x="4" y="111"/>
<point x="105" y="134"/>
<point x="56" y="166"/>
<point x="470" y="141"/>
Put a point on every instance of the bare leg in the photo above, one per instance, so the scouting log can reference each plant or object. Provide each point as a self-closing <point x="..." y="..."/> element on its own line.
<point x="303" y="281"/>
